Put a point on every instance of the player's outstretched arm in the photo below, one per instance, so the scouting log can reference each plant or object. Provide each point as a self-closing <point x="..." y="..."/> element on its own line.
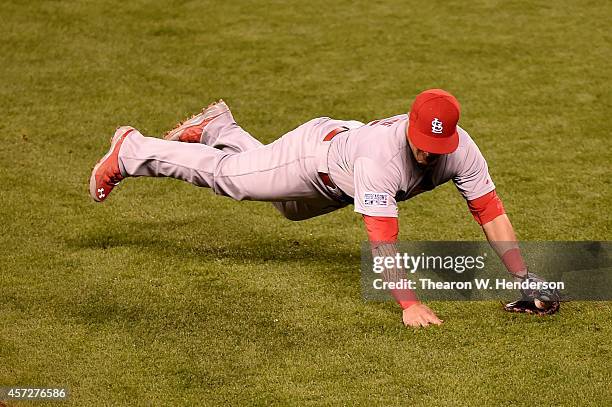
<point x="501" y="237"/>
<point x="382" y="233"/>
<point x="489" y="212"/>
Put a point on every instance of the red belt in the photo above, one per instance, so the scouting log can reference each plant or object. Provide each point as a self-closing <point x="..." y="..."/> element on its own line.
<point x="334" y="133"/>
<point x="325" y="176"/>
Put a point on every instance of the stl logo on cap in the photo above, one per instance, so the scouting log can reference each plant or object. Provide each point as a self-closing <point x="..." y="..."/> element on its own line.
<point x="432" y="125"/>
<point x="436" y="126"/>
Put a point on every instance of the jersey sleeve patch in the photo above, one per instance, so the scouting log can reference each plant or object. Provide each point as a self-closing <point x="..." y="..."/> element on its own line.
<point x="376" y="199"/>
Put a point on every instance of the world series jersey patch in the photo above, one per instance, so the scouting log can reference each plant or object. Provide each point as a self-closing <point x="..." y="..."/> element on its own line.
<point x="376" y="199"/>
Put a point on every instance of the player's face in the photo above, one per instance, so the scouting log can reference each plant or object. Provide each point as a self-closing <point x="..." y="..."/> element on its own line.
<point x="423" y="158"/>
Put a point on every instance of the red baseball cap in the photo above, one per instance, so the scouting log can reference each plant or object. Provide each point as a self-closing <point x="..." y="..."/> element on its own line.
<point x="433" y="122"/>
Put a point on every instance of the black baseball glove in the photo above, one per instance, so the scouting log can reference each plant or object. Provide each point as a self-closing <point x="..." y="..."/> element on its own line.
<point x="530" y="307"/>
<point x="536" y="301"/>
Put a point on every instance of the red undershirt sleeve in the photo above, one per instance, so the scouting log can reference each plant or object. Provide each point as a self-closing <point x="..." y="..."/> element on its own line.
<point x="486" y="208"/>
<point x="381" y="229"/>
<point x="384" y="230"/>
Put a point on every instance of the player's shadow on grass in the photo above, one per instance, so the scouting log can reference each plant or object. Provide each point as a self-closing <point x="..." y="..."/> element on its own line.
<point x="258" y="245"/>
<point x="99" y="305"/>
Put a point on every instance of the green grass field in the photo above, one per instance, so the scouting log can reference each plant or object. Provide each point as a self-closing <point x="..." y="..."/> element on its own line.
<point x="168" y="295"/>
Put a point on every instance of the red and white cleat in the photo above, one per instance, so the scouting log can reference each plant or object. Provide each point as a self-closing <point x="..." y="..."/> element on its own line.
<point x="190" y="131"/>
<point x="106" y="174"/>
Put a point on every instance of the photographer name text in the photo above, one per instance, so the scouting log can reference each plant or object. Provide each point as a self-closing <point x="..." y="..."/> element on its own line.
<point x="479" y="284"/>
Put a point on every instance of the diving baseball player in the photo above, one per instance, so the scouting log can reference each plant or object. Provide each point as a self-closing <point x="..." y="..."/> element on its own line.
<point x="327" y="164"/>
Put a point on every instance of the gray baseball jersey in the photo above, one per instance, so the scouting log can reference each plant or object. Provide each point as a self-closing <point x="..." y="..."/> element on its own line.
<point x="371" y="163"/>
<point x="374" y="164"/>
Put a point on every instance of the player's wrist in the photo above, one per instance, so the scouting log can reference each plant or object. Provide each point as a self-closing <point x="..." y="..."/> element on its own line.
<point x="407" y="304"/>
<point x="514" y="263"/>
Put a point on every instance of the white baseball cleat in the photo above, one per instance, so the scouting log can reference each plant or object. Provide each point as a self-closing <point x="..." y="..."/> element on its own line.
<point x="190" y="131"/>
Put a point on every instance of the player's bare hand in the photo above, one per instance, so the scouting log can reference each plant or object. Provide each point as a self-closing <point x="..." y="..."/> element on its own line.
<point x="420" y="315"/>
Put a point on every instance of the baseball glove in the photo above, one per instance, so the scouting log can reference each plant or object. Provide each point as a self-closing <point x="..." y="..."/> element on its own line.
<point x="536" y="301"/>
<point x="530" y="307"/>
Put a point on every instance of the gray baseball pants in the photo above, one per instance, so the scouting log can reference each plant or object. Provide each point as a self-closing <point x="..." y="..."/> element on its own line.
<point x="233" y="163"/>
